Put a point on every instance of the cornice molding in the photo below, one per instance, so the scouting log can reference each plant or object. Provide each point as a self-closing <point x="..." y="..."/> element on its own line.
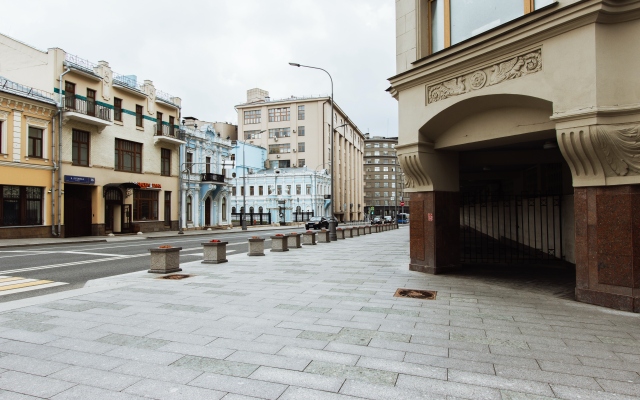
<point x="25" y="165"/>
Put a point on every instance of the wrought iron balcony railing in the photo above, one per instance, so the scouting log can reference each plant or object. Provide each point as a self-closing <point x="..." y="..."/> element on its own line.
<point x="86" y="107"/>
<point x="207" y="177"/>
<point x="169" y="131"/>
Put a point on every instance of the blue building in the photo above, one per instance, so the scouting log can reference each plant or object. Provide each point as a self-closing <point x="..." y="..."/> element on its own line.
<point x="281" y="195"/>
<point x="204" y="193"/>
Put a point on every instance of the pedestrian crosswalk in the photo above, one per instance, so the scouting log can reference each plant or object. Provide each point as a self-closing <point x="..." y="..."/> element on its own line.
<point x="15" y="284"/>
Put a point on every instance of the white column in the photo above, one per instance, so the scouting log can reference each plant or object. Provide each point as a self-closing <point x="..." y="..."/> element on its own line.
<point x="17" y="136"/>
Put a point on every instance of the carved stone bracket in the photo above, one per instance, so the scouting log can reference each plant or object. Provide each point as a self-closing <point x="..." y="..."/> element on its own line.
<point x="426" y="170"/>
<point x="514" y="68"/>
<point x="599" y="155"/>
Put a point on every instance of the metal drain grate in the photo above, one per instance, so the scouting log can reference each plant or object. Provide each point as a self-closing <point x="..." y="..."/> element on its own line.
<point x="175" y="277"/>
<point x="416" y="294"/>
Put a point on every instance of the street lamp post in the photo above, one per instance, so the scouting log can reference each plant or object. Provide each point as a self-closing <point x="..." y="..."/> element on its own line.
<point x="332" y="221"/>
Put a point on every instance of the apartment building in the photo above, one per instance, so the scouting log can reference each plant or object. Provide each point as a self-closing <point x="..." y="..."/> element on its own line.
<point x="28" y="194"/>
<point x="296" y="133"/>
<point x="519" y="125"/>
<point x="118" y="138"/>
<point x="383" y="179"/>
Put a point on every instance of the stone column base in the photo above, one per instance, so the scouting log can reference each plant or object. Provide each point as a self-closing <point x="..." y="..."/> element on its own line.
<point x="609" y="300"/>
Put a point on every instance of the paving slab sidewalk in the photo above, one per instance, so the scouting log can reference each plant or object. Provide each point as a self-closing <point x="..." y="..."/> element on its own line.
<point x="319" y="322"/>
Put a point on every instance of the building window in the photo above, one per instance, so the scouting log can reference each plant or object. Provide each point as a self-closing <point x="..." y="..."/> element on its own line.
<point x="248" y="135"/>
<point x="35" y="142"/>
<point x="159" y="123"/>
<point x="301" y="131"/>
<point x="298" y="189"/>
<point x="301" y="162"/>
<point x="117" y="109"/>
<point x="145" y="205"/>
<point x="280" y="148"/>
<point x="301" y="113"/>
<point x="128" y="156"/>
<point x="189" y="209"/>
<point x="260" y="190"/>
<point x="300" y="147"/>
<point x="252" y="191"/>
<point x="453" y="21"/>
<point x="279" y="114"/>
<point x="252" y="117"/>
<point x="172" y="128"/>
<point x="91" y="102"/>
<point x="189" y="162"/>
<point x="165" y="162"/>
<point x="70" y="95"/>
<point x="207" y="164"/>
<point x="139" y="115"/>
<point x="279" y="190"/>
<point x="20" y="205"/>
<point x="233" y="191"/>
<point x="279" y="132"/>
<point x="308" y="189"/>
<point x="80" y="147"/>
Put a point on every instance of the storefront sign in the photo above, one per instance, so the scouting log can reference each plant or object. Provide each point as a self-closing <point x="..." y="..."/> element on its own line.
<point x="145" y="185"/>
<point x="79" y="179"/>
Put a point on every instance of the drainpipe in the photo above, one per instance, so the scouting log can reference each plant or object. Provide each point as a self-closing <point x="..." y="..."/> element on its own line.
<point x="53" y="174"/>
<point x="60" y="108"/>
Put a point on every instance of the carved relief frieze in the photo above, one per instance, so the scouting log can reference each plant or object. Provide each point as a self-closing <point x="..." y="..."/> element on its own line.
<point x="516" y="67"/>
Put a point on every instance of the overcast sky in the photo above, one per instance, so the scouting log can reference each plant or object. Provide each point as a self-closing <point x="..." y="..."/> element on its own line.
<point x="209" y="52"/>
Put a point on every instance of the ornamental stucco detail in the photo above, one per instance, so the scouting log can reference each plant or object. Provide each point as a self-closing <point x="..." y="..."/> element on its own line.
<point x="599" y="153"/>
<point x="514" y="68"/>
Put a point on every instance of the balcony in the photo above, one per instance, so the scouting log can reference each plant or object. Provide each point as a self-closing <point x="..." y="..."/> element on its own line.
<point x="86" y="111"/>
<point x="208" y="177"/>
<point x="168" y="134"/>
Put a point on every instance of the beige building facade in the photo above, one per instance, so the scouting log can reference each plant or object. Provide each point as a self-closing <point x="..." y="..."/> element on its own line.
<point x="117" y="142"/>
<point x="520" y="125"/>
<point x="296" y="133"/>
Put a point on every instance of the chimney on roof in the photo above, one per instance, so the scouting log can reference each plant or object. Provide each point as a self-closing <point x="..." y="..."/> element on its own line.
<point x="256" y="95"/>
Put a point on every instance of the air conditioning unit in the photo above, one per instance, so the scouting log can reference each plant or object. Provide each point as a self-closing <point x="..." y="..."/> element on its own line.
<point x="250" y="170"/>
<point x="294" y="150"/>
<point x="275" y="138"/>
<point x="294" y="131"/>
<point x="293" y="166"/>
<point x="278" y="156"/>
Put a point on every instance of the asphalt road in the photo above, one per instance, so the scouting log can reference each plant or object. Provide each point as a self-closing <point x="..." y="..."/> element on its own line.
<point x="70" y="266"/>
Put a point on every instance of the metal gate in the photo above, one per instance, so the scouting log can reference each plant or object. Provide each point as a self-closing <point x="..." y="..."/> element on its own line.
<point x="510" y="228"/>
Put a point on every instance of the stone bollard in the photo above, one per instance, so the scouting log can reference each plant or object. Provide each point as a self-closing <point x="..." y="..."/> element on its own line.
<point x="355" y="231"/>
<point x="361" y="231"/>
<point x="348" y="232"/>
<point x="215" y="252"/>
<point x="279" y="243"/>
<point x="309" y="238"/>
<point x="165" y="259"/>
<point x="367" y="229"/>
<point x="323" y="236"/>
<point x="256" y="246"/>
<point x="293" y="241"/>
<point x="339" y="233"/>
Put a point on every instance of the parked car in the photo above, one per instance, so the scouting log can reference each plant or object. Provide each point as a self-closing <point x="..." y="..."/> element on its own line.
<point x="376" y="221"/>
<point x="317" y="223"/>
<point x="388" y="219"/>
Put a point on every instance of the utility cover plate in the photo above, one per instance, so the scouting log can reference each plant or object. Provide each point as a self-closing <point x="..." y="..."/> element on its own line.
<point x="416" y="294"/>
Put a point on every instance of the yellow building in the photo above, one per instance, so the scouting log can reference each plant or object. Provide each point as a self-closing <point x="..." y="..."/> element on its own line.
<point x="26" y="161"/>
<point x="118" y="140"/>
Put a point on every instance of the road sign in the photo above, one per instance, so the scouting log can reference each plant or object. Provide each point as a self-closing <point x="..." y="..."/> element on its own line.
<point x="402" y="204"/>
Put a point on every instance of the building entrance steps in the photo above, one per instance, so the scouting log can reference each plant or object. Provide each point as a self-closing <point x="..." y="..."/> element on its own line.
<point x="318" y="323"/>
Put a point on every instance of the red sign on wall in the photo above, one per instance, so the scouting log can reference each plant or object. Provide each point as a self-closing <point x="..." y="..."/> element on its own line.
<point x="430" y="217"/>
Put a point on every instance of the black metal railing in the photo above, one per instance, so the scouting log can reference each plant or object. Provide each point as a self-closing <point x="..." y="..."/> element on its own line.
<point x="251" y="218"/>
<point x="169" y="131"/>
<point x="302" y="216"/>
<point x="510" y="228"/>
<point x="209" y="177"/>
<point x="86" y="107"/>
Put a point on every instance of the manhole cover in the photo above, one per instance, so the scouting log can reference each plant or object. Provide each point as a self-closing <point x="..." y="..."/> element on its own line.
<point x="175" y="276"/>
<point x="416" y="294"/>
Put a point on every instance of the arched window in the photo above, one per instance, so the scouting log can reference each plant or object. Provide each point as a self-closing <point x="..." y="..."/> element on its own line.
<point x="298" y="209"/>
<point x="260" y="209"/>
<point x="224" y="208"/>
<point x="233" y="210"/>
<point x="250" y="210"/>
<point x="189" y="210"/>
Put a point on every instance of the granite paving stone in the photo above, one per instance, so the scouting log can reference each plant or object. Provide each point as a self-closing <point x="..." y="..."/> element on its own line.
<point x="242" y="386"/>
<point x="82" y="392"/>
<point x="161" y="390"/>
<point x="223" y="367"/>
<point x="153" y="371"/>
<point x="32" y="385"/>
<point x="30" y="365"/>
<point x="95" y="377"/>
<point x="360" y="373"/>
<point x="296" y="378"/>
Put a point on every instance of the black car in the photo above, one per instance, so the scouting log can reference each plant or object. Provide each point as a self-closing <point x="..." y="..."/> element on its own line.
<point x="317" y="223"/>
<point x="376" y="221"/>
